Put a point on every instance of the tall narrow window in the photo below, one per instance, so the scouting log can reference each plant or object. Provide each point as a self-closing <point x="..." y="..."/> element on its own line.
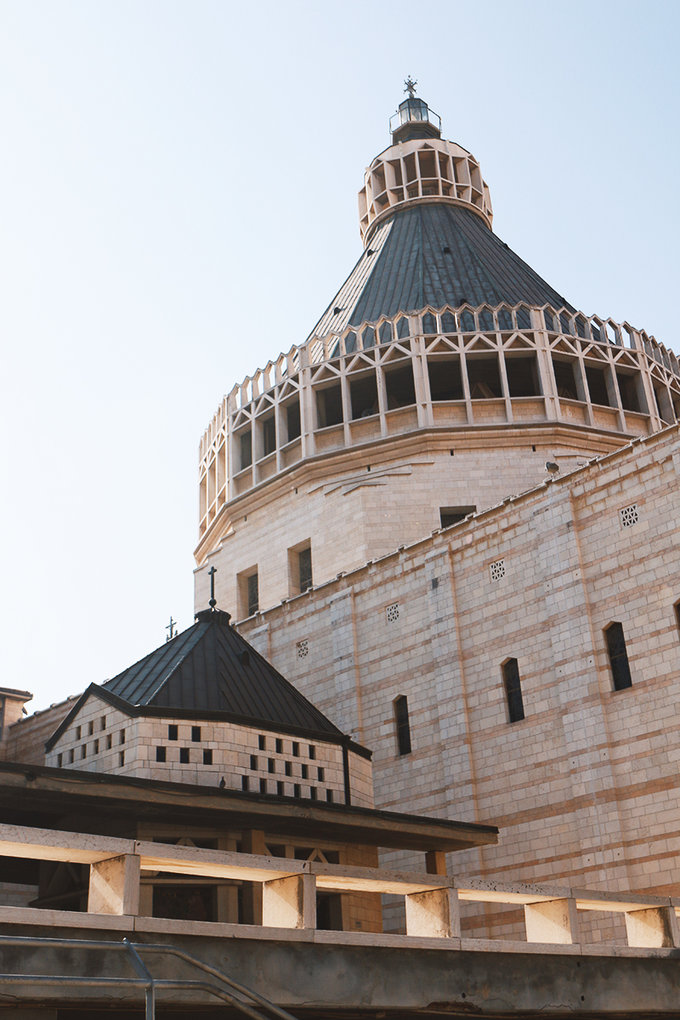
<point x="677" y="614"/>
<point x="246" y="449"/>
<point x="513" y="690"/>
<point x="300" y="567"/>
<point x="618" y="656"/>
<point x="269" y="435"/>
<point x="248" y="592"/>
<point x="253" y="594"/>
<point x="305" y="567"/>
<point x="402" y="724"/>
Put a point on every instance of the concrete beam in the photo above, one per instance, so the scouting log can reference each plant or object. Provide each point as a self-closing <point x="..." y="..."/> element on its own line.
<point x="484" y="891"/>
<point x="350" y="878"/>
<point x="189" y="860"/>
<point x="55" y="845"/>
<point x="298" y="972"/>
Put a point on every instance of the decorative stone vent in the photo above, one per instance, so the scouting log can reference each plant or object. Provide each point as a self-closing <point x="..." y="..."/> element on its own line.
<point x="629" y="515"/>
<point x="497" y="570"/>
<point x="392" y="612"/>
<point x="302" y="649"/>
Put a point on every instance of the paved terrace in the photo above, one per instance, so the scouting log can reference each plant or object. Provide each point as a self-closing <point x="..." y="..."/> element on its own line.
<point x="432" y="968"/>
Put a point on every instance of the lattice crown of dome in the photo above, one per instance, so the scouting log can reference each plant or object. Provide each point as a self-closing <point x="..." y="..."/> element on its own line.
<point x="421" y="170"/>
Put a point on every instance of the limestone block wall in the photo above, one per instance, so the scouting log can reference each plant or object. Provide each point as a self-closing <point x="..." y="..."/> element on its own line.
<point x="585" y="788"/>
<point x="203" y="752"/>
<point x="364" y="505"/>
<point x="25" y="739"/>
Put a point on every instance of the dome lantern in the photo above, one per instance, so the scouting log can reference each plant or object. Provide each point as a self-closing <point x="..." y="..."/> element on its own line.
<point x="414" y="118"/>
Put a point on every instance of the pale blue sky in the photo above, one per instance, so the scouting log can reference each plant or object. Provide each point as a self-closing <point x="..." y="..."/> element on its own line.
<point x="178" y="204"/>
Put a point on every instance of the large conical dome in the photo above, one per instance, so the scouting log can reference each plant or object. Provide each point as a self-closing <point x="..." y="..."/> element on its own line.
<point x="425" y="217"/>
<point x="443" y="376"/>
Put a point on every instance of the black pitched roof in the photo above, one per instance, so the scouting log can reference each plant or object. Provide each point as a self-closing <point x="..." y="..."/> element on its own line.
<point x="210" y="670"/>
<point x="437" y="254"/>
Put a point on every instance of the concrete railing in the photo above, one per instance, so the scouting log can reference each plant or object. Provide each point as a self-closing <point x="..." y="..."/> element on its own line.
<point x="432" y="902"/>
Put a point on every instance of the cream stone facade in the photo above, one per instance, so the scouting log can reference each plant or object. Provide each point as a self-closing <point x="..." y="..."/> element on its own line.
<point x="450" y="518"/>
<point x="586" y="785"/>
<point x="547" y="440"/>
<point x="470" y="416"/>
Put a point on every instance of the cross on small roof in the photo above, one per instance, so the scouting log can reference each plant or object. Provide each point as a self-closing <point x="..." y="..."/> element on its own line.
<point x="171" y="628"/>
<point x="410" y="86"/>
<point x="213" y="601"/>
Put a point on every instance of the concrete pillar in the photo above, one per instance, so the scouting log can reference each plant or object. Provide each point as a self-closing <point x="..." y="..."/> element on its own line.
<point x="582" y="390"/>
<point x="505" y="386"/>
<point x="435" y="862"/>
<point x="652" y="928"/>
<point x="433" y="914"/>
<point x="114" y="886"/>
<point x="552" y="921"/>
<point x="289" y="902"/>
<point x="146" y="900"/>
<point x="346" y="408"/>
<point x="466" y="387"/>
<point x="252" y="842"/>
<point x="382" y="398"/>
<point x="421" y="384"/>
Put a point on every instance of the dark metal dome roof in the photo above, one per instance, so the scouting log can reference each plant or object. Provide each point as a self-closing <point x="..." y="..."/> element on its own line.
<point x="434" y="254"/>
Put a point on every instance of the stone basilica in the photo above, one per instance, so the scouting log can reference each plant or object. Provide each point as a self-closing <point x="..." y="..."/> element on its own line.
<point x="450" y="518"/>
<point x="435" y="739"/>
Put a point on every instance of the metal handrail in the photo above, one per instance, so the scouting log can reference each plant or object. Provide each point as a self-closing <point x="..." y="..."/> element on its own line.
<point x="144" y="978"/>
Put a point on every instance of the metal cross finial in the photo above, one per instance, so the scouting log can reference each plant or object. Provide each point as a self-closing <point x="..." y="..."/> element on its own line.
<point x="410" y="87"/>
<point x="213" y="601"/>
<point x="171" y="628"/>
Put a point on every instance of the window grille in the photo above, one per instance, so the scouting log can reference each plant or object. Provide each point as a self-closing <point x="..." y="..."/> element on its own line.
<point x="497" y="570"/>
<point x="302" y="649"/>
<point x="392" y="612"/>
<point x="629" y="515"/>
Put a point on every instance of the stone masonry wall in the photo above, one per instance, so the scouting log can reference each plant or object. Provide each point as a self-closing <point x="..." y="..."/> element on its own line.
<point x="585" y="788"/>
<point x="365" y="503"/>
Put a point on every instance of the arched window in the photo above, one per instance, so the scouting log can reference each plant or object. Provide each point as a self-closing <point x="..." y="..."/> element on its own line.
<point x="513" y="690"/>
<point x="618" y="656"/>
<point x="402" y="724"/>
